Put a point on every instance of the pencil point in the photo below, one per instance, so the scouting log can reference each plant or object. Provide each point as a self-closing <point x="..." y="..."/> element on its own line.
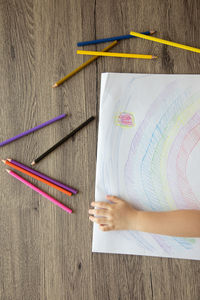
<point x="154" y="57"/>
<point x="33" y="163"/>
<point x="55" y="85"/>
<point x="3" y="160"/>
<point x="152" y="31"/>
<point x="7" y="170"/>
<point x="9" y="159"/>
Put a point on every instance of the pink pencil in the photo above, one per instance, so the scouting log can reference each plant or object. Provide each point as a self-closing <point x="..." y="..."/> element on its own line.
<point x="40" y="191"/>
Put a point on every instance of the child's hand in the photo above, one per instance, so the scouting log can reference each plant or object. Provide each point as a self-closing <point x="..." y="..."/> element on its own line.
<point x="119" y="215"/>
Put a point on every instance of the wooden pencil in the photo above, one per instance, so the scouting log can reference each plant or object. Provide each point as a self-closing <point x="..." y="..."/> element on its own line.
<point x="114" y="38"/>
<point x="154" y="39"/>
<point x="59" y="82"/>
<point x="32" y="130"/>
<point x="33" y="187"/>
<point x="64" y="186"/>
<point x="112" y="54"/>
<point x="62" y="141"/>
<point x="36" y="177"/>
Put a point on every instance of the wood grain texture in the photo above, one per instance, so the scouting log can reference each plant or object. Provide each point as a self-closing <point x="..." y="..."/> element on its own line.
<point x="44" y="252"/>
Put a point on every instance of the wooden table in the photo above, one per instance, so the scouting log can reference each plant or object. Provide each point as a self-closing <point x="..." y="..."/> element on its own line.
<point x="44" y="252"/>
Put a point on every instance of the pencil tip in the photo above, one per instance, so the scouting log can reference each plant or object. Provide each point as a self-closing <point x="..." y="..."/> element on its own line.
<point x="9" y="159"/>
<point x="154" y="57"/>
<point x="55" y="85"/>
<point x="7" y="170"/>
<point x="3" y="160"/>
<point x="152" y="31"/>
<point x="33" y="163"/>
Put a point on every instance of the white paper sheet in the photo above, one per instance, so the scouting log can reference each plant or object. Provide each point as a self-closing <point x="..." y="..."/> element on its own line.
<point x="149" y="155"/>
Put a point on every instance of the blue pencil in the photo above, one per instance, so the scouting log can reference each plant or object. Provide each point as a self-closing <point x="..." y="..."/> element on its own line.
<point x="115" y="38"/>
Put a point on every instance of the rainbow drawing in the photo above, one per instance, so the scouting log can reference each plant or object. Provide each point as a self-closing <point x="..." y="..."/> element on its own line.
<point x="153" y="165"/>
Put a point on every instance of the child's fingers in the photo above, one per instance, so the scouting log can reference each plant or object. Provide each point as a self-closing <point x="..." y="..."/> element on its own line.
<point x="99" y="220"/>
<point x="101" y="204"/>
<point x="105" y="227"/>
<point x="113" y="199"/>
<point x="98" y="212"/>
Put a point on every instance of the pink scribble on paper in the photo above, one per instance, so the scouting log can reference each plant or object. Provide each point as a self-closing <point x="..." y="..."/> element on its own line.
<point x="125" y="119"/>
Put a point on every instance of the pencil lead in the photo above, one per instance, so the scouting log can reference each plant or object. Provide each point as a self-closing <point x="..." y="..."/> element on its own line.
<point x="3" y="160"/>
<point x="154" y="57"/>
<point x="55" y="85"/>
<point x="152" y="31"/>
<point x="7" y="170"/>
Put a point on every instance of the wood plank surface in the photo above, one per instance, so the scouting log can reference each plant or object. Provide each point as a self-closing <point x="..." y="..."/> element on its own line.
<point x="44" y="252"/>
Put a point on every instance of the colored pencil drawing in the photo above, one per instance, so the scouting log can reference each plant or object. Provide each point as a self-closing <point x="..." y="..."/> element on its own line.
<point x="153" y="165"/>
<point x="163" y="152"/>
<point x="124" y="119"/>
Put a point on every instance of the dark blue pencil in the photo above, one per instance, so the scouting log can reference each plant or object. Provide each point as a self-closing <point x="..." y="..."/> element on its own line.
<point x="115" y="38"/>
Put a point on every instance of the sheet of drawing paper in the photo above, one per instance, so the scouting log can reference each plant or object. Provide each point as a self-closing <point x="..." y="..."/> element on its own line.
<point x="149" y="155"/>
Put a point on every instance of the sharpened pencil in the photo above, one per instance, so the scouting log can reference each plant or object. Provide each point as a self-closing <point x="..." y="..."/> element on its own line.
<point x="59" y="82"/>
<point x="112" y="54"/>
<point x="70" y="189"/>
<point x="33" y="187"/>
<point x="32" y="130"/>
<point x="36" y="177"/>
<point x="62" y="140"/>
<point x="115" y="38"/>
<point x="154" y="39"/>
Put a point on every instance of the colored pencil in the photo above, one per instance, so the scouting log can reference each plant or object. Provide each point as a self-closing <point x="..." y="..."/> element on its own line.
<point x="36" y="177"/>
<point x="62" y="141"/>
<point x="59" y="82"/>
<point x="115" y="38"/>
<point x="150" y="38"/>
<point x="43" y="176"/>
<point x="33" y="187"/>
<point x="112" y="54"/>
<point x="32" y="130"/>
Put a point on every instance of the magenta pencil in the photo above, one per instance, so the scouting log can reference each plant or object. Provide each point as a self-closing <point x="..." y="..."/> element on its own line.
<point x="33" y="187"/>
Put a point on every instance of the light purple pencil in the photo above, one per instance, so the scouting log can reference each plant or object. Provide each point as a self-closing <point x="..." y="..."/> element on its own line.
<point x="43" y="176"/>
<point x="32" y="130"/>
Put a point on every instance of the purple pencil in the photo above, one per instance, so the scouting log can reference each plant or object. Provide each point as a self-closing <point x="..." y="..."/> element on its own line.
<point x="32" y="130"/>
<point x="43" y="176"/>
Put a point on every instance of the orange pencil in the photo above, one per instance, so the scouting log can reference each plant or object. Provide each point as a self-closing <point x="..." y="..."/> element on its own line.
<point x="36" y="177"/>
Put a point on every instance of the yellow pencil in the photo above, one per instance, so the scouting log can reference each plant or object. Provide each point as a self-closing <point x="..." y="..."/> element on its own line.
<point x="112" y="54"/>
<point x="154" y="39"/>
<point x="82" y="66"/>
